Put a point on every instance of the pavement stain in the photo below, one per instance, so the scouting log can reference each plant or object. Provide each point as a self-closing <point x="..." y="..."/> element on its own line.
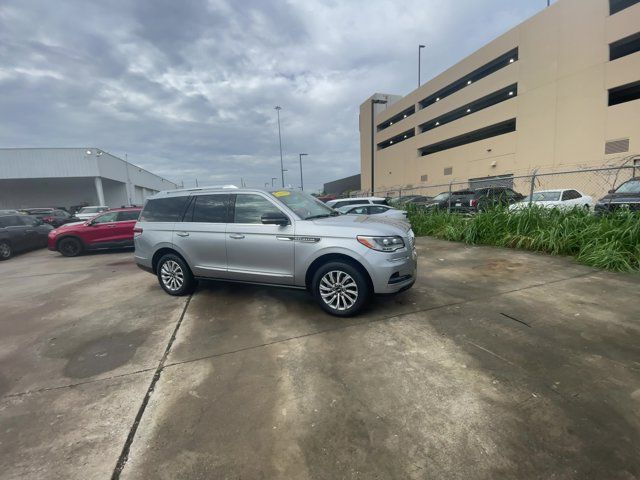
<point x="98" y="355"/>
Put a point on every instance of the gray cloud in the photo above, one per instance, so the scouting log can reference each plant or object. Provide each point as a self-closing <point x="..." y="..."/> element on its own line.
<point x="187" y="89"/>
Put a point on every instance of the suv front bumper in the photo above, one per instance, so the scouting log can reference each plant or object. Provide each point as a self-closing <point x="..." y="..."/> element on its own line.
<point x="395" y="274"/>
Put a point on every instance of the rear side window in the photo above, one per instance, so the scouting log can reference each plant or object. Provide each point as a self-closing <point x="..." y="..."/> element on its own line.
<point x="250" y="208"/>
<point x="209" y="209"/>
<point x="163" y="209"/>
<point x="380" y="202"/>
<point x="570" y="195"/>
<point x="128" y="215"/>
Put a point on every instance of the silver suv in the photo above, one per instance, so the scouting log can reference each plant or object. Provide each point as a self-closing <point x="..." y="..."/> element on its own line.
<point x="283" y="238"/>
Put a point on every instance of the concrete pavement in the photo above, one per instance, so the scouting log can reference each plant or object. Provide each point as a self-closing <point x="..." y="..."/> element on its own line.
<point x="498" y="364"/>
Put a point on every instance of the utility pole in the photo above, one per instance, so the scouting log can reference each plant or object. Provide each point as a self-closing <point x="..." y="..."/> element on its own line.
<point x="374" y="102"/>
<point x="420" y="47"/>
<point x="301" y="181"/>
<point x="277" y="109"/>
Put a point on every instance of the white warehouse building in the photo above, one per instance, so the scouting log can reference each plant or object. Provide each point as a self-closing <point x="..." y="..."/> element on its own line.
<point x="65" y="177"/>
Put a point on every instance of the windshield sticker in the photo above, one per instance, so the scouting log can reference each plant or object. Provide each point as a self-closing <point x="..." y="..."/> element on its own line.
<point x="282" y="193"/>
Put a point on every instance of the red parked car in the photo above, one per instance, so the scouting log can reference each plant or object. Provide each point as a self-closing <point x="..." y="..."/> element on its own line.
<point x="111" y="229"/>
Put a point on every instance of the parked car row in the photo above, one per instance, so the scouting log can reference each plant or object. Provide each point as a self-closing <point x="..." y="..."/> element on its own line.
<point x="627" y="195"/>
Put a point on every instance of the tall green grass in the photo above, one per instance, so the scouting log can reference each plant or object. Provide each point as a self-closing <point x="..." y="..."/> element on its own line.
<point x="610" y="242"/>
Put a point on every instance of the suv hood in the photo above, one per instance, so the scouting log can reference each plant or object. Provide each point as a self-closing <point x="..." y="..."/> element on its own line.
<point x="621" y="198"/>
<point x="363" y="224"/>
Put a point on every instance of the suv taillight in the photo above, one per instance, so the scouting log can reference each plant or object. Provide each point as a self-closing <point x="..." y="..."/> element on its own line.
<point x="473" y="202"/>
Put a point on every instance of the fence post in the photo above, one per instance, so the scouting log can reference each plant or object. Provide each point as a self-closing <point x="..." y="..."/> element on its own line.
<point x="533" y="184"/>
<point x="449" y="199"/>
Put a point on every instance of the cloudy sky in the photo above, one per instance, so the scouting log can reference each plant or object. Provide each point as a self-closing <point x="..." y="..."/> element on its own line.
<point x="187" y="87"/>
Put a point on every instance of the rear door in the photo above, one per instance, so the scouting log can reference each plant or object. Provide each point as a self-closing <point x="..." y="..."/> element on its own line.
<point x="202" y="234"/>
<point x="124" y="231"/>
<point x="257" y="252"/>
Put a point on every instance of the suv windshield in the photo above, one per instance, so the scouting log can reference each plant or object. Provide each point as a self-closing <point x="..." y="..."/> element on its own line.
<point x="304" y="205"/>
<point x="632" y="186"/>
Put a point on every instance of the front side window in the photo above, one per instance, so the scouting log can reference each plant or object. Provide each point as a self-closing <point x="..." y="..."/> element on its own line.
<point x="359" y="210"/>
<point x="209" y="209"/>
<point x="106" y="218"/>
<point x="249" y="208"/>
<point x="164" y="209"/>
<point x="10" y="221"/>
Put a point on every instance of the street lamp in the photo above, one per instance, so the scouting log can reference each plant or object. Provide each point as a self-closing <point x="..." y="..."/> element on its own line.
<point x="301" y="181"/>
<point x="374" y="102"/>
<point x="420" y="47"/>
<point x="272" y="179"/>
<point x="277" y="109"/>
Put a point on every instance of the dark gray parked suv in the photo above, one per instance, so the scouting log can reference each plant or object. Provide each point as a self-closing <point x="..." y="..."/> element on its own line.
<point x="285" y="238"/>
<point x="21" y="232"/>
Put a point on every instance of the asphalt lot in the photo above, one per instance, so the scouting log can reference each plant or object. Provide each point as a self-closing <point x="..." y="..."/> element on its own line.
<point x="497" y="364"/>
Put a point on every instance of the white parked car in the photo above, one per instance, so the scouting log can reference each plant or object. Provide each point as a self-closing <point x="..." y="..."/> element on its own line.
<point x="85" y="213"/>
<point x="378" y="210"/>
<point x="343" y="202"/>
<point x="564" y="199"/>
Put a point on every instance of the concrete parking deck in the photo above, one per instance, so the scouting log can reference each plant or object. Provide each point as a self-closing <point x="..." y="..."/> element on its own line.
<point x="497" y="364"/>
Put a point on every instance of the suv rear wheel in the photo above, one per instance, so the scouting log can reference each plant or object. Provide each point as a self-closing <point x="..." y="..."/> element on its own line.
<point x="70" y="247"/>
<point x="340" y="289"/>
<point x="175" y="276"/>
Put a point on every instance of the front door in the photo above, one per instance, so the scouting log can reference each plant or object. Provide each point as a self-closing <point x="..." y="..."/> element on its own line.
<point x="257" y="252"/>
<point x="103" y="230"/>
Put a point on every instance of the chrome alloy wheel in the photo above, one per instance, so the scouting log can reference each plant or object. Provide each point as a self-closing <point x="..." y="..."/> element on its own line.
<point x="338" y="290"/>
<point x="172" y="275"/>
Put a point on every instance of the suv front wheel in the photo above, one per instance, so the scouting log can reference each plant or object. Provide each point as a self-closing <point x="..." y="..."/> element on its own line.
<point x="340" y="289"/>
<point x="175" y="276"/>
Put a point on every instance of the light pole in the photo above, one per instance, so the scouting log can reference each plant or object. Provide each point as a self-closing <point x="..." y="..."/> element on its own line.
<point x="278" y="108"/>
<point x="374" y="102"/>
<point x="272" y="179"/>
<point x="301" y="181"/>
<point x="420" y="47"/>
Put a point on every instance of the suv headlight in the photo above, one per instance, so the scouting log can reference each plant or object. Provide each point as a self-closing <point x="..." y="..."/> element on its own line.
<point x="382" y="244"/>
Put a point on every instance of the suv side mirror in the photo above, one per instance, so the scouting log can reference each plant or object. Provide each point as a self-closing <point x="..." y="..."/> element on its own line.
<point x="273" y="218"/>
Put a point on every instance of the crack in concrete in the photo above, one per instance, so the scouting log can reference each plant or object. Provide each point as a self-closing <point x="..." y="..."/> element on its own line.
<point x="77" y="384"/>
<point x="124" y="455"/>
<point x="372" y="321"/>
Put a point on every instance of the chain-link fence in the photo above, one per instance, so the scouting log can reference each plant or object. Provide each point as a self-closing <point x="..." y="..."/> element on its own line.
<point x="593" y="182"/>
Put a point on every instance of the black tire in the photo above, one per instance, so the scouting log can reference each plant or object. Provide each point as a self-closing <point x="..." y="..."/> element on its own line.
<point x="6" y="252"/>
<point x="174" y="275"/>
<point x="70" y="247"/>
<point x="336" y="297"/>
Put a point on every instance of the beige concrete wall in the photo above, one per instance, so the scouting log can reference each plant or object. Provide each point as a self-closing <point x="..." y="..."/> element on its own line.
<point x="563" y="120"/>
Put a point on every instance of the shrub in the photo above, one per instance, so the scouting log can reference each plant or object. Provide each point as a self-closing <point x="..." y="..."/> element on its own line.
<point x="610" y="242"/>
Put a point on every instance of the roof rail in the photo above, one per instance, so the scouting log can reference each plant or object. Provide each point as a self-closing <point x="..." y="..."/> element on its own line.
<point x="197" y="189"/>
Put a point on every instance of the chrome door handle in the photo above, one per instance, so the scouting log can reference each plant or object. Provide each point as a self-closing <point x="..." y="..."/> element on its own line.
<point x="182" y="234"/>
<point x="237" y="236"/>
